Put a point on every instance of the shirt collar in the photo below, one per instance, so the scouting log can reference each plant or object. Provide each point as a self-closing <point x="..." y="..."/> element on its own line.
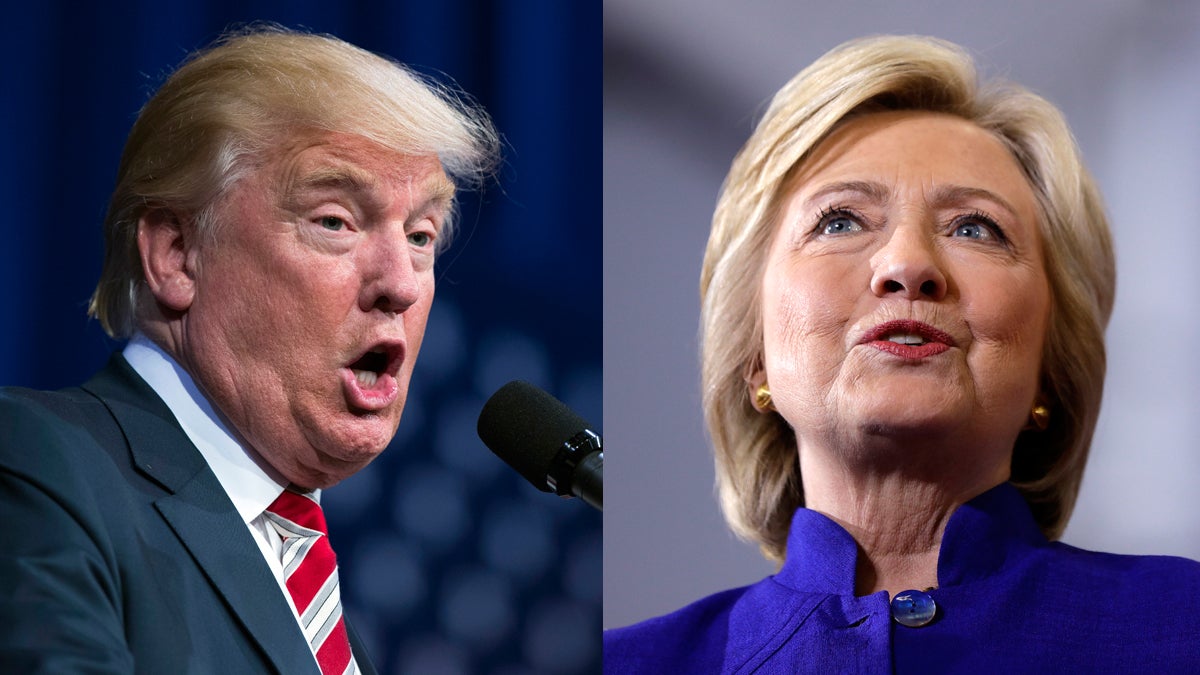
<point x="248" y="480"/>
<point x="980" y="537"/>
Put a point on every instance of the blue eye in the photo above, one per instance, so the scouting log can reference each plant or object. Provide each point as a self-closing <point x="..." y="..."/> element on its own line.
<point x="972" y="230"/>
<point x="834" y="221"/>
<point x="420" y="239"/>
<point x="332" y="223"/>
<point x="978" y="226"/>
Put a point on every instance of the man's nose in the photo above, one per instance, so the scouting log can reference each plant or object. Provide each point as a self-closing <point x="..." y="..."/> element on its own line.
<point x="391" y="282"/>
<point x="908" y="264"/>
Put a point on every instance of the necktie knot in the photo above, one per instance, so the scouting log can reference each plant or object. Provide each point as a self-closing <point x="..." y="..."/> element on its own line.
<point x="297" y="515"/>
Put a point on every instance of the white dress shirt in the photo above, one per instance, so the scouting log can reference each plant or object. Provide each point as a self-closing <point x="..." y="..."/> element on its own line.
<point x="249" y="481"/>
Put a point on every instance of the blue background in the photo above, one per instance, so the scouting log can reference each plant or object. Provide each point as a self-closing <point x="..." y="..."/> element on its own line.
<point x="450" y="561"/>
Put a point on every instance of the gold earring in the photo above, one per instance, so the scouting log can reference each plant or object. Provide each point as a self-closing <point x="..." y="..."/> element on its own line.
<point x="1040" y="416"/>
<point x="762" y="397"/>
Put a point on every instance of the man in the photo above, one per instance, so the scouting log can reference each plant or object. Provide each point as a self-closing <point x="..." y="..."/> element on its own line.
<point x="270" y="248"/>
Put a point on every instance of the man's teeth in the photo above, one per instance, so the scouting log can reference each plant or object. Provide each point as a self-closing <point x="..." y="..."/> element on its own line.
<point x="906" y="339"/>
<point x="366" y="378"/>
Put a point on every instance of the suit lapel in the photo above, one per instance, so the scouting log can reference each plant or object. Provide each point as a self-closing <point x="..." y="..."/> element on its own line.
<point x="210" y="528"/>
<point x="203" y="518"/>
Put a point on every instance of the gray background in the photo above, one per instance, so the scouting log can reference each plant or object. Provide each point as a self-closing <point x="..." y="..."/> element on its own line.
<point x="684" y="82"/>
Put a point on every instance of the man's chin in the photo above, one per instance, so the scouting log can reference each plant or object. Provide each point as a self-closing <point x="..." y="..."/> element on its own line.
<point x="338" y="444"/>
<point x="330" y="469"/>
<point x="360" y="442"/>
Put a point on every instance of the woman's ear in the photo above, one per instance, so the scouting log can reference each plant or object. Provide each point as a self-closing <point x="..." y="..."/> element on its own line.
<point x="168" y="258"/>
<point x="756" y="382"/>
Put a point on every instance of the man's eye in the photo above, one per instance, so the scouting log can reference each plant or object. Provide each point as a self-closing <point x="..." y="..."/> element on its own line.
<point x="420" y="239"/>
<point x="332" y="223"/>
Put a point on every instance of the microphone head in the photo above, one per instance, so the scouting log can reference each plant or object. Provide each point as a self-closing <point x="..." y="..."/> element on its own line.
<point x="526" y="427"/>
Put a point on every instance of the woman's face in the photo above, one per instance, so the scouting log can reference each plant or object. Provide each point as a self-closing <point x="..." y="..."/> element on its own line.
<point x="905" y="294"/>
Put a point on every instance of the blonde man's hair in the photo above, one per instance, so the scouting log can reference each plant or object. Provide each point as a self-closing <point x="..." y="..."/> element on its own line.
<point x="227" y="105"/>
<point x="758" y="471"/>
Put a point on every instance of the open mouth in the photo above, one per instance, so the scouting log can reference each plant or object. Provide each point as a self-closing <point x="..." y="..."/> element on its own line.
<point x="908" y="333"/>
<point x="378" y="362"/>
<point x="369" y="367"/>
<point x="371" y="381"/>
<point x="906" y="339"/>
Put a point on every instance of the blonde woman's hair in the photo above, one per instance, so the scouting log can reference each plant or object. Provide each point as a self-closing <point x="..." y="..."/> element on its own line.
<point x="758" y="471"/>
<point x="214" y="119"/>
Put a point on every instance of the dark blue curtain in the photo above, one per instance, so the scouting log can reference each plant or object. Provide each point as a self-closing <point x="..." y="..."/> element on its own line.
<point x="450" y="561"/>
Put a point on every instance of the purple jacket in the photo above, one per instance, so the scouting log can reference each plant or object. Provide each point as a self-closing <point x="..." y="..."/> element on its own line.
<point x="1008" y="601"/>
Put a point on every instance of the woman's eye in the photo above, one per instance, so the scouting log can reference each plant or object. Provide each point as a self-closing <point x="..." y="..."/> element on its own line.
<point x="840" y="225"/>
<point x="332" y="223"/>
<point x="420" y="239"/>
<point x="972" y="229"/>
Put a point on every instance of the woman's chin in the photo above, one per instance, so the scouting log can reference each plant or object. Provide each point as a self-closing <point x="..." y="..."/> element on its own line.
<point x="924" y="422"/>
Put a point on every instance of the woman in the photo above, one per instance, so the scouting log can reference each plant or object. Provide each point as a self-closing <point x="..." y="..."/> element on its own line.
<point x="904" y="300"/>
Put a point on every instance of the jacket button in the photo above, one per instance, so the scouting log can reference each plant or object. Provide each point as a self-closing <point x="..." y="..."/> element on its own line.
<point x="913" y="608"/>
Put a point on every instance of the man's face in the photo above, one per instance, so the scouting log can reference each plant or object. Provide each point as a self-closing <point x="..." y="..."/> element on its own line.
<point x="310" y="308"/>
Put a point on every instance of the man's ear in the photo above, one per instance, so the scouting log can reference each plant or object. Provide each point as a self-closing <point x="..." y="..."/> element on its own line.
<point x="168" y="258"/>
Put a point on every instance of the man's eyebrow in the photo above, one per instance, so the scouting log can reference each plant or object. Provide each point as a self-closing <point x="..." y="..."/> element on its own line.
<point x="440" y="189"/>
<point x="338" y="177"/>
<point x="441" y="192"/>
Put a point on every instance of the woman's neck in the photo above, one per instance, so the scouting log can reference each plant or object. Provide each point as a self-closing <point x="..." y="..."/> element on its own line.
<point x="896" y="517"/>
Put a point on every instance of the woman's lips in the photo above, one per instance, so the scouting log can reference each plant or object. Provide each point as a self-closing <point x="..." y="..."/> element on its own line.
<point x="908" y="339"/>
<point x="910" y="351"/>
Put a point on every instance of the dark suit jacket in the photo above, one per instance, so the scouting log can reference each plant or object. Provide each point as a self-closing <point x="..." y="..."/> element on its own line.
<point x="120" y="551"/>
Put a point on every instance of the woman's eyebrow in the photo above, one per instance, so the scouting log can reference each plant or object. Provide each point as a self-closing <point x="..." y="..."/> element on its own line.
<point x="878" y="193"/>
<point x="948" y="195"/>
<point x="875" y="192"/>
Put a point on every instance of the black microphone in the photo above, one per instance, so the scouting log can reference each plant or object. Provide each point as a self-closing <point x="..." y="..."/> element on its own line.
<point x="545" y="441"/>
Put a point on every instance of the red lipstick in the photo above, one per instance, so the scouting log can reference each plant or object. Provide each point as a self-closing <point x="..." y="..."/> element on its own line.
<point x="908" y="339"/>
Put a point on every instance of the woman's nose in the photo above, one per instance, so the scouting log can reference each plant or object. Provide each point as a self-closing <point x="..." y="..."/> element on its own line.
<point x="907" y="265"/>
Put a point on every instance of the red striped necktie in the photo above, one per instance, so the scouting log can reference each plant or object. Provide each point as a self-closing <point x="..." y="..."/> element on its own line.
<point x="310" y="570"/>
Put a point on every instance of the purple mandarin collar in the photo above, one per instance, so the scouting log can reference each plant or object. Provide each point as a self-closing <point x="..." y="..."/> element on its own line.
<point x="980" y="538"/>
